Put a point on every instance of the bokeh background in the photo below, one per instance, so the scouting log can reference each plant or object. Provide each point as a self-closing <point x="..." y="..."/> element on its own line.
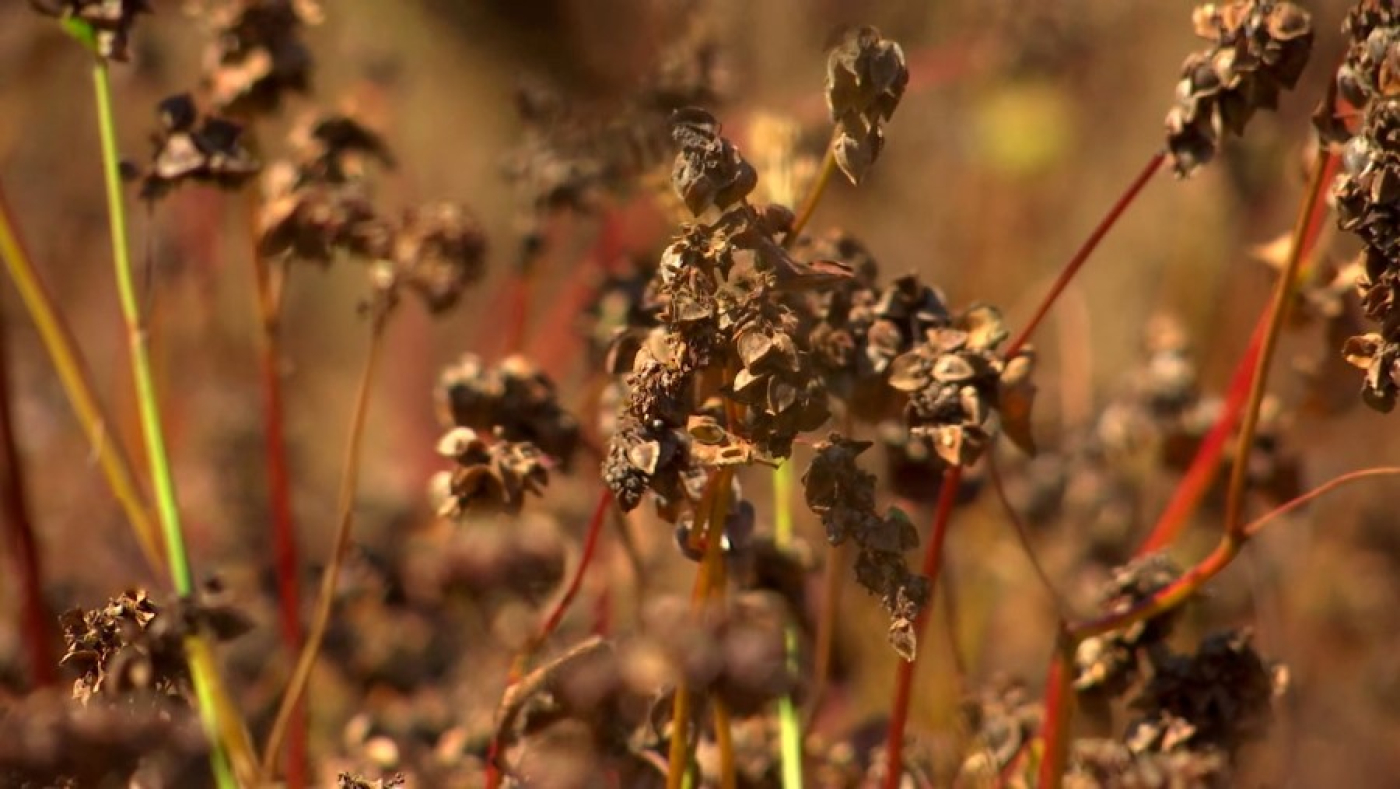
<point x="1022" y="124"/>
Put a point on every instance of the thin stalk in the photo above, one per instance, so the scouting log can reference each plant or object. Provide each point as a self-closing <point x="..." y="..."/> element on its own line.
<point x="37" y="619"/>
<point x="550" y="624"/>
<point x="789" y="722"/>
<point x="1206" y="463"/>
<point x="814" y="196"/>
<point x="833" y="580"/>
<point x="76" y="379"/>
<point x="1058" y="712"/>
<point x="904" y="673"/>
<point x="1059" y="706"/>
<point x="590" y="548"/>
<point x="325" y="601"/>
<point x="1282" y="303"/>
<point x="202" y="669"/>
<point x="1090" y="244"/>
<point x="713" y="581"/>
<point x="711" y="513"/>
<point x="286" y="562"/>
<point x="1023" y="534"/>
<point x="1200" y="475"/>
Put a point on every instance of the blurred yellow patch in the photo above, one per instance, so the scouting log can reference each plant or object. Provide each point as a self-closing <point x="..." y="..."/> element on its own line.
<point x="1021" y="128"/>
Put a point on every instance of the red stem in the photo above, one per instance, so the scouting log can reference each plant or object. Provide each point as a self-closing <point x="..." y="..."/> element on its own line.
<point x="1059" y="699"/>
<point x="1150" y="169"/>
<point x="1206" y="463"/>
<point x="904" y="675"/>
<point x="37" y="627"/>
<point x="590" y="546"/>
<point x="284" y="541"/>
<point x="494" y="775"/>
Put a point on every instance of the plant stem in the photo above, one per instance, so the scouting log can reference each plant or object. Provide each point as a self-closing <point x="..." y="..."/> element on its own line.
<point x="814" y="196"/>
<point x="287" y="564"/>
<point x="1058" y="711"/>
<point x="325" y="601"/>
<point x="1282" y="303"/>
<point x="76" y="380"/>
<point x="37" y="625"/>
<point x="710" y="515"/>
<point x="789" y="722"/>
<point x="904" y="672"/>
<point x="1192" y="488"/>
<point x="1087" y="248"/>
<point x="202" y="669"/>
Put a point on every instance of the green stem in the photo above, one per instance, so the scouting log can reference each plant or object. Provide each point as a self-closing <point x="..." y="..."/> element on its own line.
<point x="789" y="724"/>
<point x="77" y="384"/>
<point x="167" y="510"/>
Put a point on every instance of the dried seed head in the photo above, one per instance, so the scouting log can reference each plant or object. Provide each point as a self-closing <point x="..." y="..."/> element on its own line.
<point x="1258" y="49"/>
<point x="1109" y="663"/>
<point x="843" y="496"/>
<point x="865" y="79"/>
<point x="1219" y="698"/>
<point x="438" y="251"/>
<point x="489" y="476"/>
<point x="111" y="20"/>
<point x="708" y="171"/>
<point x="121" y="647"/>
<point x="257" y="55"/>
<point x="189" y="147"/>
<point x="514" y="397"/>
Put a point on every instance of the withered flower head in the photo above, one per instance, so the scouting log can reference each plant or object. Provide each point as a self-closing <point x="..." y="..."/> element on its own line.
<point x="318" y="205"/>
<point x="118" y="648"/>
<point x="514" y="397"/>
<point x="191" y="148"/>
<point x="956" y="381"/>
<point x="1219" y="698"/>
<point x="257" y="53"/>
<point x="865" y="79"/>
<point x="493" y="475"/>
<point x="651" y="456"/>
<point x="1367" y="193"/>
<point x="1110" y="662"/>
<point x="111" y="20"/>
<point x="1258" y="49"/>
<point x="709" y="170"/>
<point x="843" y="496"/>
<point x="439" y="250"/>
<point x="315" y="222"/>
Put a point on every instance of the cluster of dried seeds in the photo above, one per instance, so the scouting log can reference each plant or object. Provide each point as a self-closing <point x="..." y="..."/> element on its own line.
<point x="111" y="20"/>
<point x="120" y="648"/>
<point x="1109" y="664"/>
<point x="1367" y="190"/>
<point x="956" y="381"/>
<point x="318" y="206"/>
<point x="844" y="497"/>
<point x="256" y="54"/>
<point x="490" y="475"/>
<point x="514" y="397"/>
<point x="191" y="148"/>
<point x="865" y="79"/>
<point x="1258" y="49"/>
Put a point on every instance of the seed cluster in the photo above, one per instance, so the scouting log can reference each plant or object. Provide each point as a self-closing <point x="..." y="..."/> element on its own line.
<point x="865" y="79"/>
<point x="1258" y="49"/>
<point x="1367" y="191"/>
<point x="111" y="20"/>
<point x="844" y="497"/>
<point x="490" y="475"/>
<point x="318" y="206"/>
<point x="256" y="54"/>
<point x="196" y="149"/>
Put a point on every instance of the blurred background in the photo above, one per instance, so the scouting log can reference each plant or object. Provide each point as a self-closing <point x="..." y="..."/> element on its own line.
<point x="1022" y="123"/>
